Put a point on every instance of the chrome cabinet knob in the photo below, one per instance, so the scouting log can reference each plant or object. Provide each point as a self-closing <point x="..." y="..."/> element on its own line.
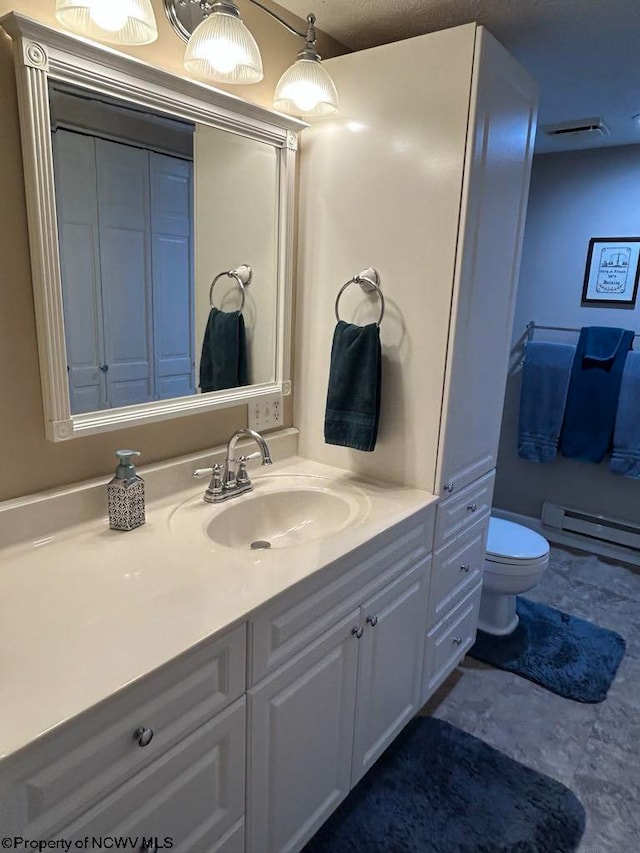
<point x="357" y="632"/>
<point x="149" y="844"/>
<point x="457" y="641"/>
<point x="465" y="567"/>
<point x="143" y="735"/>
<point x="448" y="487"/>
<point x="372" y="620"/>
<point x="472" y="507"/>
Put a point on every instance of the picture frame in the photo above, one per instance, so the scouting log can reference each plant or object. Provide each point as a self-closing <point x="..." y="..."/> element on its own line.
<point x="612" y="272"/>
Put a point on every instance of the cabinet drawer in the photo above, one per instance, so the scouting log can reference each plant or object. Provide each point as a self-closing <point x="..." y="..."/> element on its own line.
<point x="450" y="641"/>
<point x="193" y="794"/>
<point x="74" y="767"/>
<point x="460" y="511"/>
<point x="457" y="569"/>
<point x="281" y="630"/>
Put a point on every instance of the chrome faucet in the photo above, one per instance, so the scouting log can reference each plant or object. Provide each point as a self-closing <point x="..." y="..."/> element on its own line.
<point x="227" y="482"/>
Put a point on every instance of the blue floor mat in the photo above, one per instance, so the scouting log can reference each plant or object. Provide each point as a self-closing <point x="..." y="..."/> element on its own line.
<point x="437" y="789"/>
<point x="569" y="656"/>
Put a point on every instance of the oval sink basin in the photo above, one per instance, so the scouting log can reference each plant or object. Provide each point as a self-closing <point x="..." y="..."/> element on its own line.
<point x="282" y="511"/>
<point x="281" y="519"/>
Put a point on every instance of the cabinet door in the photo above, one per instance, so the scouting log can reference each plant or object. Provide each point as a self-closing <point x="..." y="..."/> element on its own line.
<point x="390" y="665"/>
<point x="191" y="798"/>
<point x="496" y="187"/>
<point x="300" y="742"/>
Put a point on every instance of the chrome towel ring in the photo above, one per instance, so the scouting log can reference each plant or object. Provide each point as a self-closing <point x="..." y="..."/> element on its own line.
<point x="368" y="280"/>
<point x="242" y="274"/>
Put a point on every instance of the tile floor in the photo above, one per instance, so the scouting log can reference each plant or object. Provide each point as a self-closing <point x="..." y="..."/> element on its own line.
<point x="593" y="749"/>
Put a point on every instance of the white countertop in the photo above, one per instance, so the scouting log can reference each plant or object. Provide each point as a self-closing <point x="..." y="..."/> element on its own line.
<point x="90" y="610"/>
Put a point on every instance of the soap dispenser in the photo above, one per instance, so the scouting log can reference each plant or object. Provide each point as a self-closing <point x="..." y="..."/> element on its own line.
<point x="125" y="494"/>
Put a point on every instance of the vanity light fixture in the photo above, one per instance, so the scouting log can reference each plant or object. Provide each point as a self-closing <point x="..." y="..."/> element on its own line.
<point x="222" y="49"/>
<point x="114" y="21"/>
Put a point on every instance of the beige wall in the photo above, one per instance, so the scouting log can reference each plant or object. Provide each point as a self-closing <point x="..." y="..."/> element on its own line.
<point x="28" y="461"/>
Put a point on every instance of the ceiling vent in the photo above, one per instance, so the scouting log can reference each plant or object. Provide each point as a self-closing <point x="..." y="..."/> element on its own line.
<point x="593" y="127"/>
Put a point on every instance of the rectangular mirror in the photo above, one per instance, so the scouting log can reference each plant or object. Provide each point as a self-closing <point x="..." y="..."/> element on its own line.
<point x="160" y="217"/>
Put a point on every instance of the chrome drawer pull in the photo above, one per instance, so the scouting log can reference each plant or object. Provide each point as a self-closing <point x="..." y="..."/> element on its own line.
<point x="143" y="735"/>
<point x="357" y="632"/>
<point x="372" y="620"/>
<point x="465" y="567"/>
<point x="472" y="507"/>
<point x="457" y="641"/>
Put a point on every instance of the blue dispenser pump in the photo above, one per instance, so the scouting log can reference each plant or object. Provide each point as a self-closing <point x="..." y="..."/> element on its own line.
<point x="126" y="470"/>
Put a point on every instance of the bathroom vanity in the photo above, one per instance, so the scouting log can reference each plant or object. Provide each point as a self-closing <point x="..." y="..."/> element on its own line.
<point x="169" y="685"/>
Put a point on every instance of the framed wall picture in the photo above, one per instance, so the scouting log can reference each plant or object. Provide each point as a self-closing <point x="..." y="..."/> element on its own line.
<point x="611" y="276"/>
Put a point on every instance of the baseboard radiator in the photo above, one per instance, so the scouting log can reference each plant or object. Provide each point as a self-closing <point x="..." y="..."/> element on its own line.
<point x="598" y="527"/>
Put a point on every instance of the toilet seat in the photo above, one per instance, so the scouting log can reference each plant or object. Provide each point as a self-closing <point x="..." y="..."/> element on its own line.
<point x="511" y="566"/>
<point x="513" y="544"/>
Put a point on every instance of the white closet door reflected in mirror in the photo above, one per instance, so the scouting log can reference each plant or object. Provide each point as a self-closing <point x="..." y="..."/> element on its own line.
<point x="125" y="224"/>
<point x="130" y="236"/>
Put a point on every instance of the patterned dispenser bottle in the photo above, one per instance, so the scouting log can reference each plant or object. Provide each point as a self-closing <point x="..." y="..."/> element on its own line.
<point x="125" y="494"/>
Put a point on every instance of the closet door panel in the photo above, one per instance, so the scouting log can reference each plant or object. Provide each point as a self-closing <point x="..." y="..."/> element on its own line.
<point x="123" y="193"/>
<point x="77" y="209"/>
<point x="172" y="264"/>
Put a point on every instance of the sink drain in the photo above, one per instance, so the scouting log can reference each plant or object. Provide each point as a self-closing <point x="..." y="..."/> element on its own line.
<point x="260" y="543"/>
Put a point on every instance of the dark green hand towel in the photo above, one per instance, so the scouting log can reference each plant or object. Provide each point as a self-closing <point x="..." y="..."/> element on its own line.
<point x="353" y="398"/>
<point x="223" y="363"/>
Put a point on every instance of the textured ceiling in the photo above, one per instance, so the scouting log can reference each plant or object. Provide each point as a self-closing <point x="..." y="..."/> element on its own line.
<point x="585" y="54"/>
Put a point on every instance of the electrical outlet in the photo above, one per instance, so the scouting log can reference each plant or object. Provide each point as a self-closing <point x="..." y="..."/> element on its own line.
<point x="265" y="413"/>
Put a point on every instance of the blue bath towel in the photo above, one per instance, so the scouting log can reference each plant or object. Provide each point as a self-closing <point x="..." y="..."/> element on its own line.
<point x="353" y="396"/>
<point x="594" y="387"/>
<point x="545" y="380"/>
<point x="223" y="363"/>
<point x="625" y="458"/>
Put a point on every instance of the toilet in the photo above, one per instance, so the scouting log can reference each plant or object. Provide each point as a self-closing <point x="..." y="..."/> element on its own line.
<point x="515" y="561"/>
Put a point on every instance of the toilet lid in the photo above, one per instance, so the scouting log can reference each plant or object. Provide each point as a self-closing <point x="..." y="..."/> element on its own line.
<point x="511" y="541"/>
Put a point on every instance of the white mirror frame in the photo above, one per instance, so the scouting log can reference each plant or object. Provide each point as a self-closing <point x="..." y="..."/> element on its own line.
<point x="42" y="53"/>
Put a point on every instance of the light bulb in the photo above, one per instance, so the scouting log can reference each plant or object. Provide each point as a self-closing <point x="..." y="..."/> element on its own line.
<point x="109" y="15"/>
<point x="227" y="56"/>
<point x="305" y="96"/>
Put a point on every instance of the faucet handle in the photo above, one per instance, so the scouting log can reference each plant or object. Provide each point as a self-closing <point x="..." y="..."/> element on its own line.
<point x="202" y="472"/>
<point x="242" y="478"/>
<point x="215" y="486"/>
<point x="244" y="459"/>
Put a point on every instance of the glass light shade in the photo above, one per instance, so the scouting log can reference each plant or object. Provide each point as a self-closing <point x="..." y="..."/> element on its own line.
<point x="114" y="21"/>
<point x="221" y="48"/>
<point x="306" y="89"/>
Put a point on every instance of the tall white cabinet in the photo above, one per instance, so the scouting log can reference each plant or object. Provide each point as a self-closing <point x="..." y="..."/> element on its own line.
<point x="424" y="176"/>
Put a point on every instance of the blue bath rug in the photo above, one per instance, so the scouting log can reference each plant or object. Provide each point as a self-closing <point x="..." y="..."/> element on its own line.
<point x="569" y="656"/>
<point x="437" y="789"/>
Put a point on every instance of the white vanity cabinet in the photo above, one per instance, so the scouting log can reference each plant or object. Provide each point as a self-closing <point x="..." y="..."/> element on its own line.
<point x="319" y="720"/>
<point x="166" y="756"/>
<point x="456" y="580"/>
